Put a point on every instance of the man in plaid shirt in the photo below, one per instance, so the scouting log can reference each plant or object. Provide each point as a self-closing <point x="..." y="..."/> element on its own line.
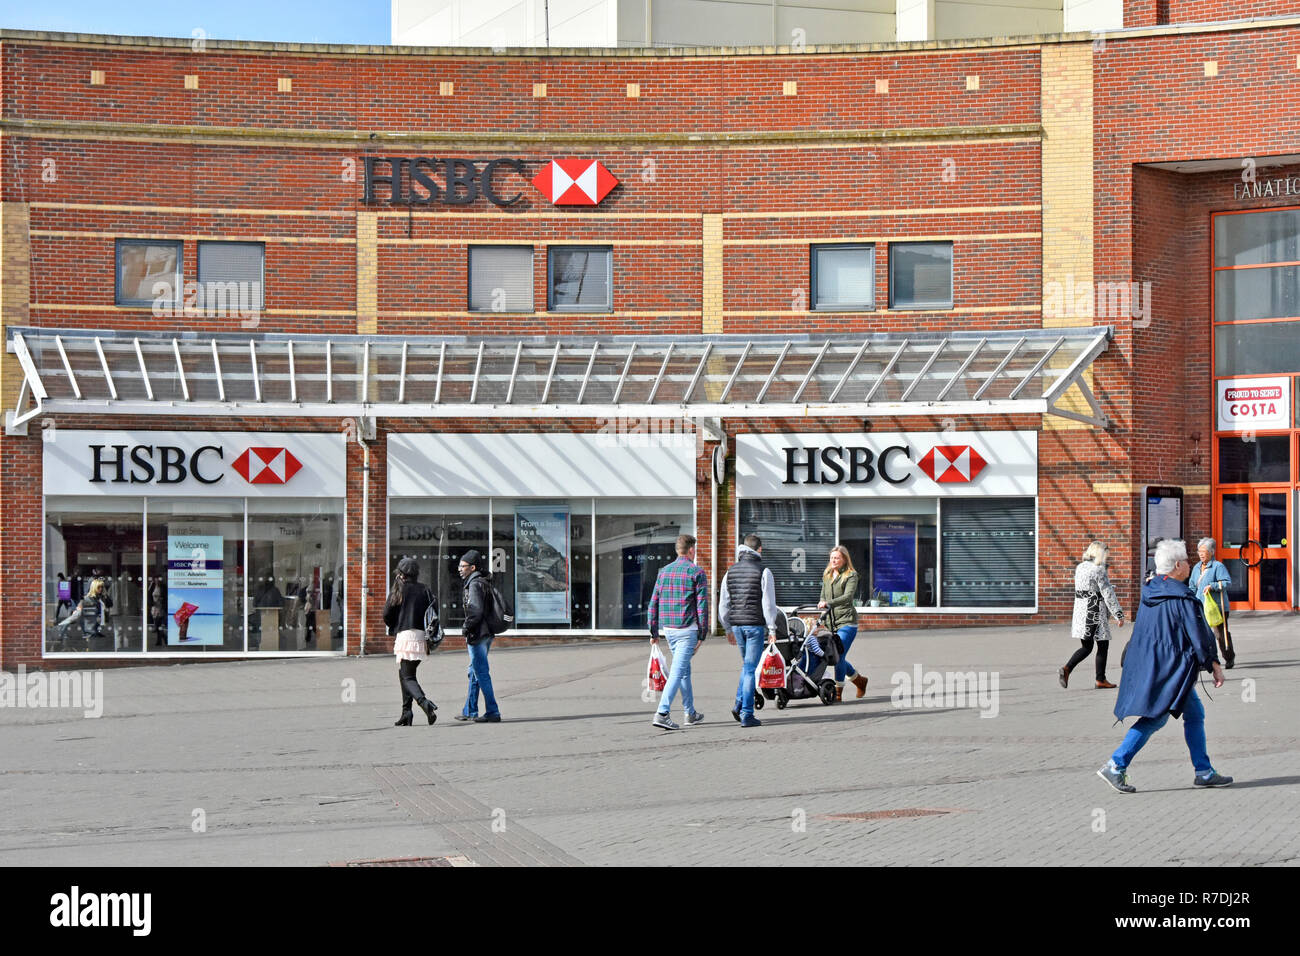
<point x="680" y="604"/>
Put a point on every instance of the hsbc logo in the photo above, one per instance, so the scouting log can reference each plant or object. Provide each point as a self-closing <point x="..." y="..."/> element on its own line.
<point x="451" y="181"/>
<point x="952" y="463"/>
<point x="859" y="465"/>
<point x="173" y="465"/>
<point x="575" y="182"/>
<point x="267" y="466"/>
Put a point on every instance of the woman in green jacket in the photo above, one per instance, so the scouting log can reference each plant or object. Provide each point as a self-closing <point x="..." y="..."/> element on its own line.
<point x="840" y="593"/>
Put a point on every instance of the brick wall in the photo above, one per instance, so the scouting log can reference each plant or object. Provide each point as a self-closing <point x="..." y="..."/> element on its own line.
<point x="1150" y="13"/>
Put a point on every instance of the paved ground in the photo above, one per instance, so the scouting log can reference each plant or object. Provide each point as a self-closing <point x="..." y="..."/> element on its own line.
<point x="285" y="772"/>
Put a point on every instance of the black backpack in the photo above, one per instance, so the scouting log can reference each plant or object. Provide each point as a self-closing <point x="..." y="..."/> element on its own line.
<point x="497" y="613"/>
<point x="433" y="632"/>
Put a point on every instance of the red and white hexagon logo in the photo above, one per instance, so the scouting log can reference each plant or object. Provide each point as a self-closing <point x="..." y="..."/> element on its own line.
<point x="952" y="463"/>
<point x="575" y="182"/>
<point x="267" y="466"/>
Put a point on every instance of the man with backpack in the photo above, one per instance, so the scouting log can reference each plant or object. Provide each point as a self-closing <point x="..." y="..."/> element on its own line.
<point x="480" y="612"/>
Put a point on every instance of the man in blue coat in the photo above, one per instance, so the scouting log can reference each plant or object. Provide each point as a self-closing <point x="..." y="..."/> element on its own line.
<point x="1171" y="644"/>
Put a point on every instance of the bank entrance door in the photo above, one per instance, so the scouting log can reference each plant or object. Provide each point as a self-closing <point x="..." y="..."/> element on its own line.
<point x="1252" y="530"/>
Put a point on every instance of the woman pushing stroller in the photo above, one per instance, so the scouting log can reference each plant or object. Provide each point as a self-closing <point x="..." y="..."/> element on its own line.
<point x="839" y="596"/>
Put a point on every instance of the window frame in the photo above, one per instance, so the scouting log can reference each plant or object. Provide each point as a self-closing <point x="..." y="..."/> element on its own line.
<point x="813" y="251"/>
<point x="469" y="277"/>
<point x="198" y="263"/>
<point x="952" y="277"/>
<point x="551" y="305"/>
<point x="120" y="244"/>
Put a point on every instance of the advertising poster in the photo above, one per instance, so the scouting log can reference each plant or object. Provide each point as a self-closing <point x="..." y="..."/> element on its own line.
<point x="542" y="566"/>
<point x="194" y="589"/>
<point x="893" y="561"/>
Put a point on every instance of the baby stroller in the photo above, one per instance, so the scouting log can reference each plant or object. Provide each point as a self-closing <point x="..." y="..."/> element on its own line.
<point x="809" y="646"/>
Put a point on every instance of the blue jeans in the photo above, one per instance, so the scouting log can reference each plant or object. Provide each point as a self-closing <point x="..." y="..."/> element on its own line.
<point x="749" y="641"/>
<point x="844" y="669"/>
<point x="480" y="680"/>
<point x="1193" y="733"/>
<point x="683" y="642"/>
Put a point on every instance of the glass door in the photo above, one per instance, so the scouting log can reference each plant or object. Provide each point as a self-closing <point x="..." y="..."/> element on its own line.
<point x="1255" y="547"/>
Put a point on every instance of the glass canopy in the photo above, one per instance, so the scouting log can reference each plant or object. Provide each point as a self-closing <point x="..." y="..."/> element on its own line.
<point x="703" y="376"/>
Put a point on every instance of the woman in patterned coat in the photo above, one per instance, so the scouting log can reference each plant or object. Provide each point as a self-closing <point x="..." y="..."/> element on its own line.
<point x="1094" y="595"/>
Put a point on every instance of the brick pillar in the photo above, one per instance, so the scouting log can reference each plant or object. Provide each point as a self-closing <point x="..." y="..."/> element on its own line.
<point x="1066" y="83"/>
<point x="711" y="257"/>
<point x="367" y="272"/>
<point x="15" y="294"/>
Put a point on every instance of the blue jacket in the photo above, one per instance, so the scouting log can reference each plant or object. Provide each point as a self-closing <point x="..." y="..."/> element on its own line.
<point x="1202" y="582"/>
<point x="1171" y="643"/>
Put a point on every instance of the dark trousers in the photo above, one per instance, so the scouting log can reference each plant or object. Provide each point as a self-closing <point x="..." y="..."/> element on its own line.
<point x="1103" y="649"/>
<point x="411" y="689"/>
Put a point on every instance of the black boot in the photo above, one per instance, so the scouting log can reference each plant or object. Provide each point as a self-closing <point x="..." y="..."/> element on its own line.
<point x="404" y="720"/>
<point x="429" y="708"/>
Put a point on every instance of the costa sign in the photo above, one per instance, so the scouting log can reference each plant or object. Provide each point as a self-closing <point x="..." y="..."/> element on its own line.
<point x="1252" y="404"/>
<point x="900" y="464"/>
<point x="193" y="464"/>
<point x="452" y="181"/>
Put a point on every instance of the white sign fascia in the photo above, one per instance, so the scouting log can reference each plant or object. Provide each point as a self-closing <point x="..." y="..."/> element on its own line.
<point x="915" y="464"/>
<point x="194" y="464"/>
<point x="542" y="465"/>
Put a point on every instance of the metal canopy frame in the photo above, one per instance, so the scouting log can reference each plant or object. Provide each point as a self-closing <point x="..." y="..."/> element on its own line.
<point x="694" y="377"/>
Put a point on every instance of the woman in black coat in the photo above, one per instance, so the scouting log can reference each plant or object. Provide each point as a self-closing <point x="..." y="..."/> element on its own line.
<point x="404" y="614"/>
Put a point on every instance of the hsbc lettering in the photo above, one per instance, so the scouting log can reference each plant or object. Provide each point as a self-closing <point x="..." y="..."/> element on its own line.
<point x="836" y="464"/>
<point x="151" y="464"/>
<point x="461" y="180"/>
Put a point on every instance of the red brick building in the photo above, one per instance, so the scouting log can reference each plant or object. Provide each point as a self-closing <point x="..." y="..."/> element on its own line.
<point x="277" y="315"/>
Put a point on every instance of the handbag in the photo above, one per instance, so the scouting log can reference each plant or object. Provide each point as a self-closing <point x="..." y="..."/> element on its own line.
<point x="1213" y="614"/>
<point x="771" y="669"/>
<point x="657" y="669"/>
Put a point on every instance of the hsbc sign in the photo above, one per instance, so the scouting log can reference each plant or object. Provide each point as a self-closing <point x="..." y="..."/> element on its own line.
<point x="428" y="180"/>
<point x="901" y="464"/>
<point x="211" y="464"/>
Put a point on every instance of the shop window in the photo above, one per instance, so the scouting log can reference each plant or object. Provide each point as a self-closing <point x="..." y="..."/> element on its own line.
<point x="797" y="535"/>
<point x="920" y="275"/>
<point x="296" y="562"/>
<point x="89" y="540"/>
<point x="1262" y="293"/>
<point x="844" y="278"/>
<point x="1256" y="348"/>
<point x="988" y="552"/>
<point x="894" y="547"/>
<point x="501" y="278"/>
<point x="436" y="532"/>
<point x="579" y="278"/>
<point x="1264" y="458"/>
<point x="148" y="272"/>
<point x="194" y="555"/>
<point x="231" y="277"/>
<point x="634" y="539"/>
<point x="542" y="557"/>
<point x="1256" y="238"/>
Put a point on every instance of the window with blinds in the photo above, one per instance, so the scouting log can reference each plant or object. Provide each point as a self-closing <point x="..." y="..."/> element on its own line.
<point x="230" y="276"/>
<point x="501" y="279"/>
<point x="988" y="552"/>
<point x="844" y="277"/>
<point x="920" y="275"/>
<point x="580" y="278"/>
<point x="147" y="272"/>
<point x="798" y="534"/>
